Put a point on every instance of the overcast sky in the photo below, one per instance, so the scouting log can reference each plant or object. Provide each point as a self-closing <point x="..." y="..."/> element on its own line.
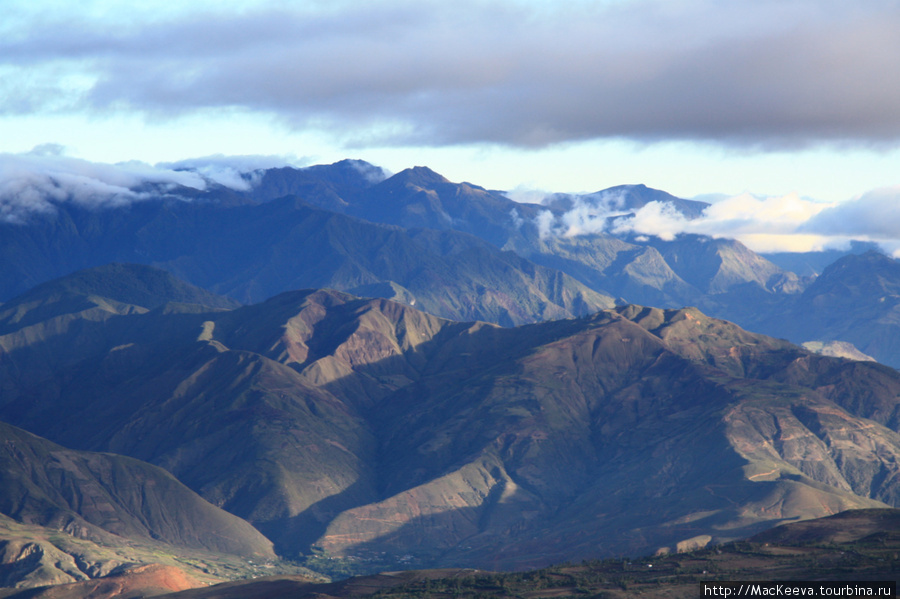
<point x="767" y="96"/>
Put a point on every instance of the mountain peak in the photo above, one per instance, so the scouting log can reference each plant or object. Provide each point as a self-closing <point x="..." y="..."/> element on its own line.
<point x="371" y="173"/>
<point x="638" y="195"/>
<point x="873" y="268"/>
<point x="421" y="176"/>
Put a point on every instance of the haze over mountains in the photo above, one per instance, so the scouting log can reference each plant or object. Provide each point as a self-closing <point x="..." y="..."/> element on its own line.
<point x="362" y="366"/>
<point x="454" y="250"/>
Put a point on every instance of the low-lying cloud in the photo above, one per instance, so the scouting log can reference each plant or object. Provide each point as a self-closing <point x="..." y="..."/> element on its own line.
<point x="780" y="73"/>
<point x="36" y="181"/>
<point x="765" y="224"/>
<point x="236" y="172"/>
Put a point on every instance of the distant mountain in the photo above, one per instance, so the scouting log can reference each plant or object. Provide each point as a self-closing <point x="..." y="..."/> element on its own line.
<point x="457" y="250"/>
<point x="811" y="264"/>
<point x="716" y="266"/>
<point x="251" y="252"/>
<point x="103" y="292"/>
<point x="364" y="427"/>
<point x="626" y="198"/>
<point x="721" y="276"/>
<point x="333" y="186"/>
<point x="856" y="300"/>
<point x="414" y="198"/>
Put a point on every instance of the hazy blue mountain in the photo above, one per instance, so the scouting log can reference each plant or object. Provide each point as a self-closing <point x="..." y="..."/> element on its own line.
<point x="351" y="227"/>
<point x="811" y="264"/>
<point x="253" y="251"/>
<point x="626" y="198"/>
<point x="856" y="300"/>
<point x="722" y="276"/>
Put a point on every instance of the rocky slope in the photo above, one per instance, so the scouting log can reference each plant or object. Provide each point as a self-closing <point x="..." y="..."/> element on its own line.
<point x="357" y="427"/>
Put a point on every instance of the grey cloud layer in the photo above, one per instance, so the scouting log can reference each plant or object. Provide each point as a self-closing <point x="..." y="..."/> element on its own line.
<point x="780" y="73"/>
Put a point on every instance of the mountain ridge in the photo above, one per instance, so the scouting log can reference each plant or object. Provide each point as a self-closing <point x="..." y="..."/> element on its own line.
<point x="369" y="428"/>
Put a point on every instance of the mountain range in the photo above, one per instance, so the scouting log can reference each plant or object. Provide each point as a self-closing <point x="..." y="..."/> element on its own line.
<point x="355" y="370"/>
<point x="455" y="250"/>
<point x="367" y="427"/>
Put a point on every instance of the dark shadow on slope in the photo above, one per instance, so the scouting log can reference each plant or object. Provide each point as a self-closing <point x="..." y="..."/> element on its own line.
<point x="481" y="356"/>
<point x="294" y="536"/>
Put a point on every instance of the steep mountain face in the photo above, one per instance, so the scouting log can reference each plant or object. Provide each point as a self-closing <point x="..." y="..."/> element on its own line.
<point x="719" y="265"/>
<point x="610" y="265"/>
<point x="362" y="426"/>
<point x="855" y="300"/>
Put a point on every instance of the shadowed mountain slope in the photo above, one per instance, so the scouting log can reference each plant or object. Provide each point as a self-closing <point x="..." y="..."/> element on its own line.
<point x="70" y="515"/>
<point x="103" y="292"/>
<point x="364" y="427"/>
<point x="92" y="495"/>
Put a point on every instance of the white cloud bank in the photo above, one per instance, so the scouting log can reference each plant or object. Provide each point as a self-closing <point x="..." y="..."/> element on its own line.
<point x="35" y="181"/>
<point x="770" y="224"/>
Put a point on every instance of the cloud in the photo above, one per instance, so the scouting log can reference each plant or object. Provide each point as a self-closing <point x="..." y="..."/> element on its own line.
<point x="875" y="214"/>
<point x="761" y="73"/>
<point x="594" y="213"/>
<point x="526" y="194"/>
<point x="765" y="224"/>
<point x="36" y="181"/>
<point x="236" y="172"/>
